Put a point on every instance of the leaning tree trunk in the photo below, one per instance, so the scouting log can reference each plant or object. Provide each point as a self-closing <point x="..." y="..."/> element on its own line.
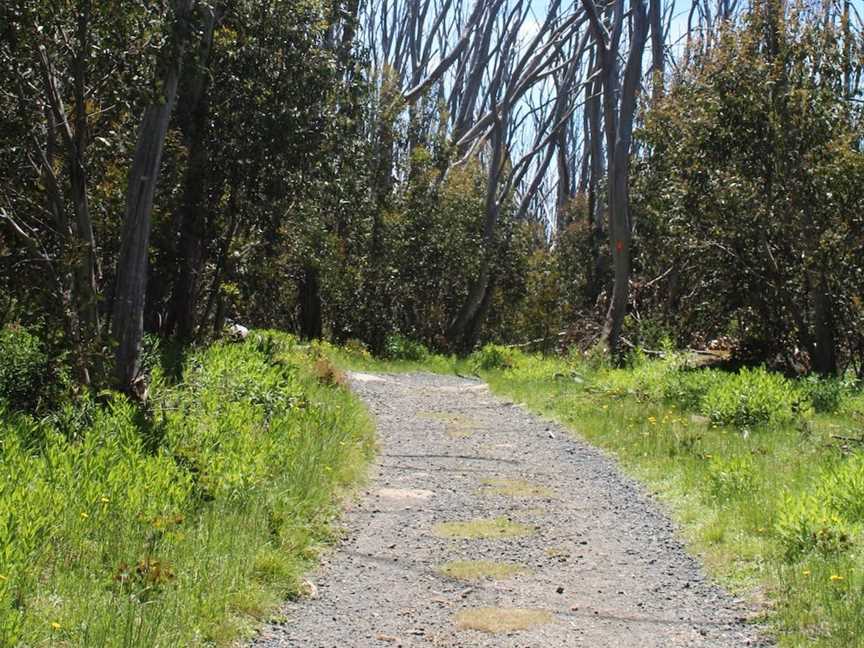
<point x="131" y="283"/>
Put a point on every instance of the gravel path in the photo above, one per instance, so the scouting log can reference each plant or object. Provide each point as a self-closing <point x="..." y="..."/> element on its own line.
<point x="599" y="563"/>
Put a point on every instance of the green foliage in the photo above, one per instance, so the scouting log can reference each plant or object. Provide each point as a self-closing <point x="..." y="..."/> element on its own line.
<point x="688" y="388"/>
<point x="493" y="356"/>
<point x="124" y="529"/>
<point x="824" y="394"/>
<point x="751" y="193"/>
<point x="751" y="397"/>
<point x="805" y="526"/>
<point x="24" y="368"/>
<point x="842" y="489"/>
<point x="397" y="347"/>
<point x="730" y="477"/>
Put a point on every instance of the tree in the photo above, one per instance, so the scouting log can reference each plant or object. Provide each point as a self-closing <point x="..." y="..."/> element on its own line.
<point x="619" y="107"/>
<point x="130" y="290"/>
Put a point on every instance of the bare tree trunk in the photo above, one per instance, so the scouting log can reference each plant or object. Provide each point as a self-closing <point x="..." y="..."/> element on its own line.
<point x="464" y="320"/>
<point x="824" y="344"/>
<point x="619" y="115"/>
<point x="193" y="112"/>
<point x="311" y="327"/>
<point x="131" y="284"/>
<point x="658" y="61"/>
<point x="597" y="261"/>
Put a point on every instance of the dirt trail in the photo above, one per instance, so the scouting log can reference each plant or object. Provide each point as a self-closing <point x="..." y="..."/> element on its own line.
<point x="574" y="553"/>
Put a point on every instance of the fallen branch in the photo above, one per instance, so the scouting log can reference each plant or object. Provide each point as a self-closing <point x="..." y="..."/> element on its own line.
<point x="845" y="438"/>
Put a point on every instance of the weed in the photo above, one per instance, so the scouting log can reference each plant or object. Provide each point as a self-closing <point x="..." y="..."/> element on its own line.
<point x="476" y="570"/>
<point x="397" y="347"/>
<point x="502" y="620"/>
<point x="751" y="397"/>
<point x="729" y="478"/>
<point x="493" y="356"/>
<point x="481" y="529"/>
<point x="113" y="536"/>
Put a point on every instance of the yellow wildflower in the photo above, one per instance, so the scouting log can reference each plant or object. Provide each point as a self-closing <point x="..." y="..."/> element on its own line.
<point x="104" y="499"/>
<point x="836" y="577"/>
<point x="55" y="625"/>
<point x="806" y="572"/>
<point x="84" y="515"/>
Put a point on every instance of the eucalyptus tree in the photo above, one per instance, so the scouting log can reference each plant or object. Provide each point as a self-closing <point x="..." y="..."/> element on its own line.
<point x="130" y="289"/>
<point x="70" y="76"/>
<point x="484" y="70"/>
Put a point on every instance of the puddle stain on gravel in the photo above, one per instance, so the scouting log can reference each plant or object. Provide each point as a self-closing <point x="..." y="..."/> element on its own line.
<point x="404" y="493"/>
<point x="477" y="570"/>
<point x="456" y="426"/>
<point x="500" y="620"/>
<point x="481" y="529"/>
<point x="515" y="488"/>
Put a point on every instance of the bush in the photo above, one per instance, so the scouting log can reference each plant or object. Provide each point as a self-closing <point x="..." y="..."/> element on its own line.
<point x="805" y="526"/>
<point x="116" y="520"/>
<point x="842" y="490"/>
<point x="688" y="388"/>
<point x="824" y="394"/>
<point x="397" y="347"/>
<point x="493" y="356"/>
<point x="24" y="368"/>
<point x="751" y="397"/>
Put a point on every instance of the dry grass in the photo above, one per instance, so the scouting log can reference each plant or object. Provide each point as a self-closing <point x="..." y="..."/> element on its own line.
<point x="481" y="529"/>
<point x="515" y="488"/>
<point x="501" y="620"/>
<point x="476" y="570"/>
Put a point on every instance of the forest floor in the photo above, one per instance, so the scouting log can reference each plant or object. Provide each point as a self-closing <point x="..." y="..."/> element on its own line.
<point x="485" y="525"/>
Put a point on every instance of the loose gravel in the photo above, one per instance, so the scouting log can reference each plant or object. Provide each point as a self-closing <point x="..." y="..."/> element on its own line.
<point x="599" y="566"/>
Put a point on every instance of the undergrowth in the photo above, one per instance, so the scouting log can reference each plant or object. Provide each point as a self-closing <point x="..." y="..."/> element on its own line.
<point x="183" y="525"/>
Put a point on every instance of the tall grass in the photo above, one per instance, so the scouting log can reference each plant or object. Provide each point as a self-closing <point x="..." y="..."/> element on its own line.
<point x="181" y="526"/>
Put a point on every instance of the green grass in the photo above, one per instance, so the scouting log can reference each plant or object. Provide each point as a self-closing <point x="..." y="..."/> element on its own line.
<point x="182" y="526"/>
<point x="748" y="464"/>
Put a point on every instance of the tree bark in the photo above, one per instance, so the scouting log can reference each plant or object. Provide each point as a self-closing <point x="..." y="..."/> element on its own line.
<point x="131" y="283"/>
<point x="619" y="183"/>
<point x="824" y="353"/>
<point x="311" y="327"/>
<point x="193" y="112"/>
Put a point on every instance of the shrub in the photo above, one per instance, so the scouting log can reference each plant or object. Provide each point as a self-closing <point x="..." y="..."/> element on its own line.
<point x="100" y="520"/>
<point x="327" y="373"/>
<point x="397" y="347"/>
<point x="688" y="388"/>
<point x="842" y="490"/>
<point x="356" y="348"/>
<point x="824" y="394"/>
<point x="751" y="397"/>
<point x="730" y="478"/>
<point x="805" y="526"/>
<point x="493" y="356"/>
<point x="24" y="368"/>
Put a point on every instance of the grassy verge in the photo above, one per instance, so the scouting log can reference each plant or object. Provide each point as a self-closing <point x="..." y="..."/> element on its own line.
<point x="749" y="464"/>
<point x="184" y="526"/>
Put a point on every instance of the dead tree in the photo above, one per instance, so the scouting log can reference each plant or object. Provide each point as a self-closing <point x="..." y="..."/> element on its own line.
<point x="619" y="107"/>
